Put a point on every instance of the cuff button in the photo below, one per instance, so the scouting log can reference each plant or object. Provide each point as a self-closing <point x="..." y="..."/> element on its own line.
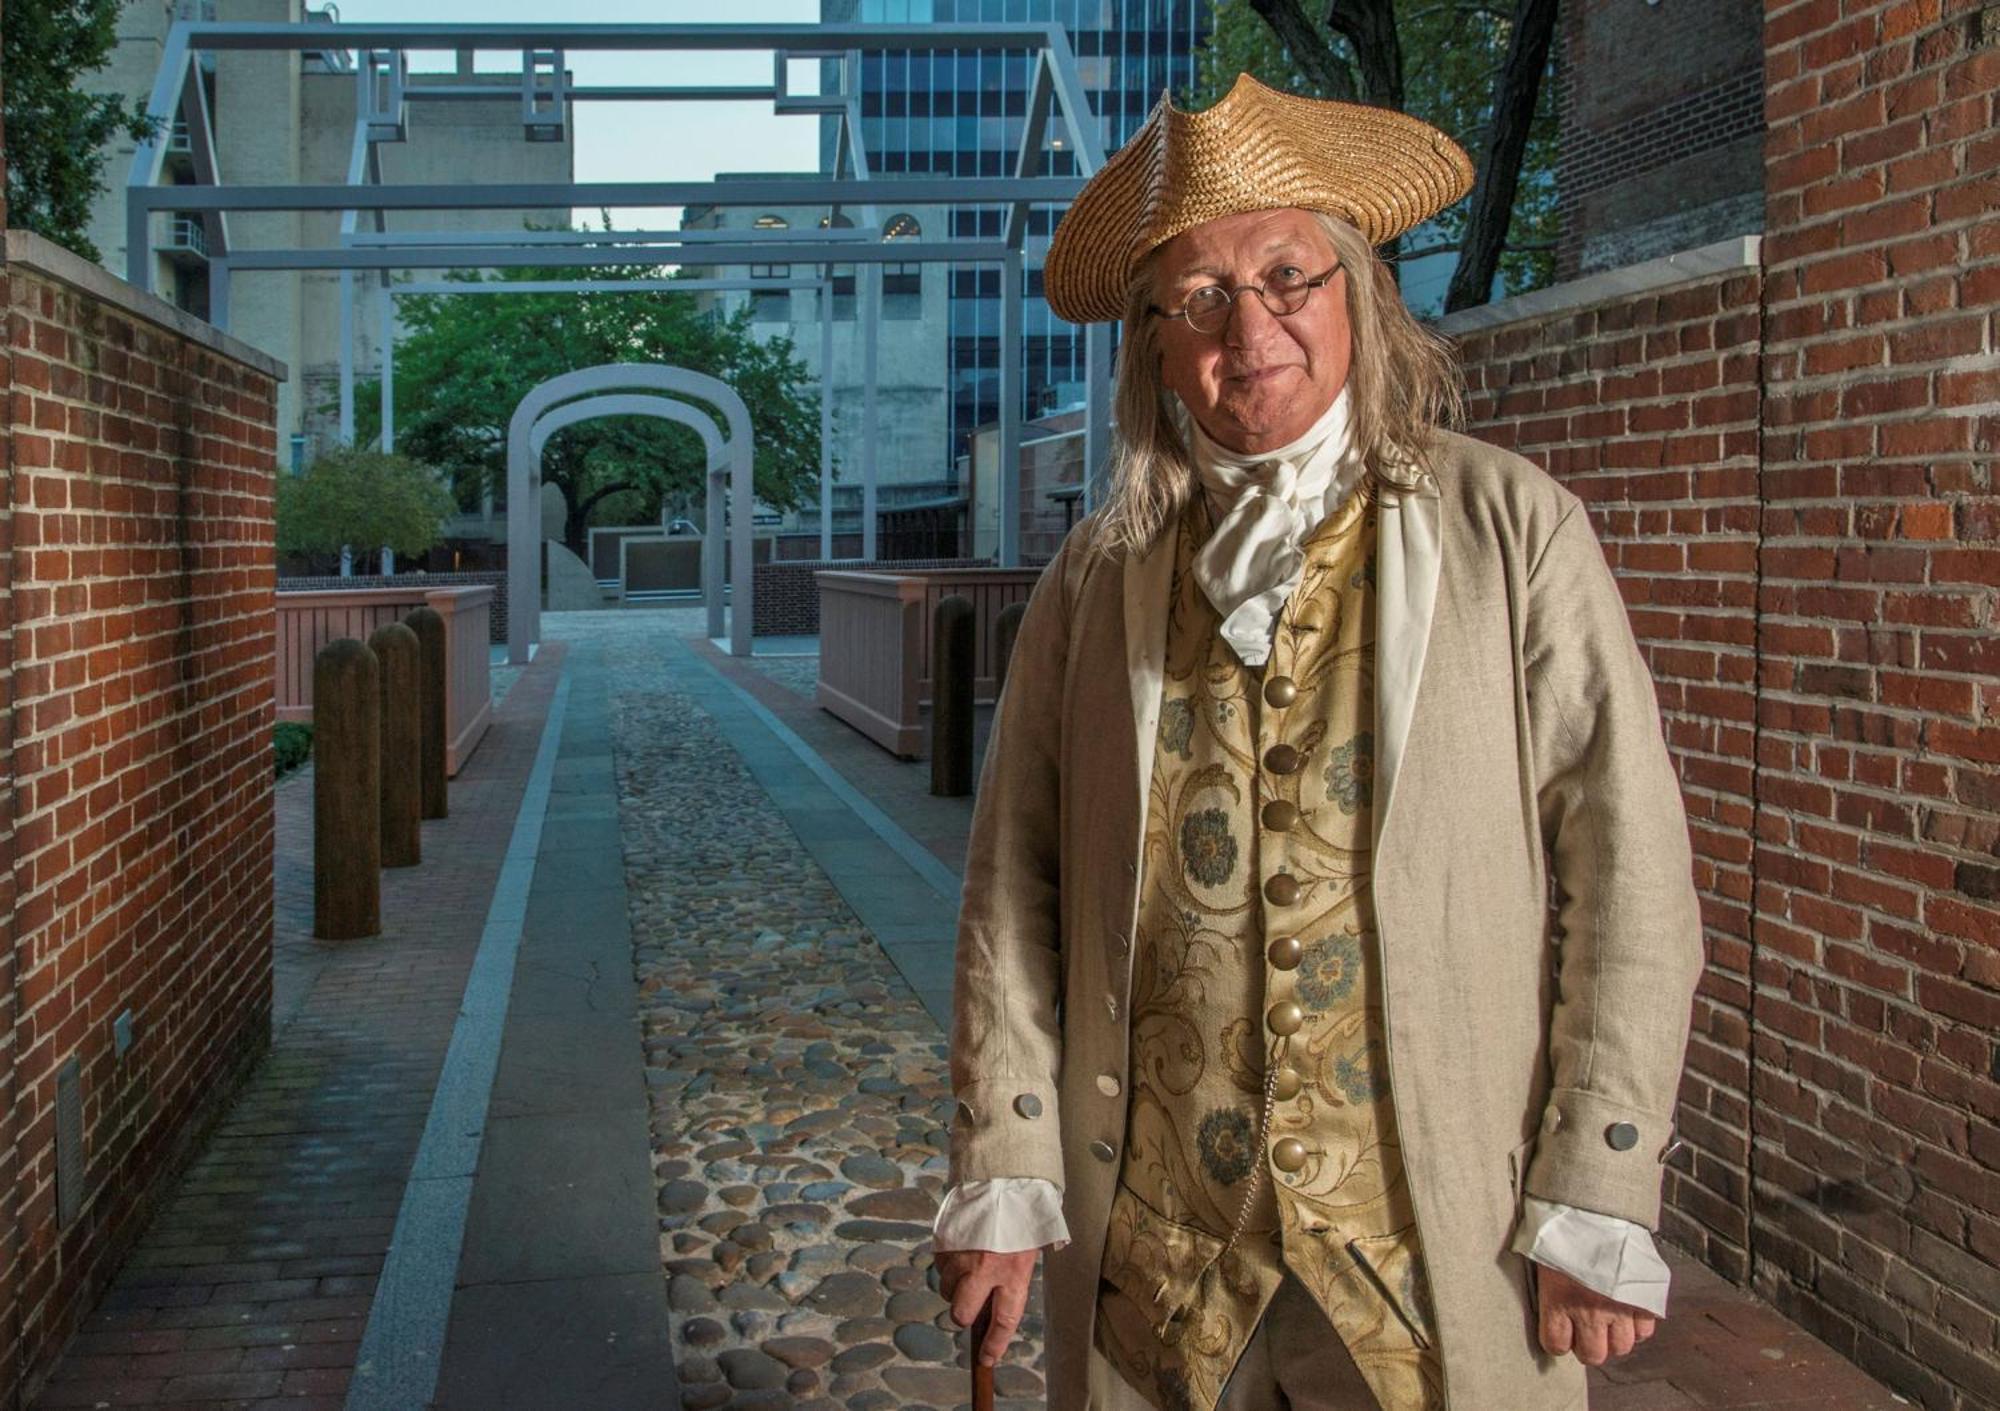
<point x="1028" y="1105"/>
<point x="1621" y="1136"/>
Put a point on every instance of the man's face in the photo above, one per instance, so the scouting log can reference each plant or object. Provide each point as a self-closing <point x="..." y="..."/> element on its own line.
<point x="1259" y="381"/>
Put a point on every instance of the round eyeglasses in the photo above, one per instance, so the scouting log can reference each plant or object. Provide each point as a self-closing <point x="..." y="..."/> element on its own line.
<point x="1208" y="308"/>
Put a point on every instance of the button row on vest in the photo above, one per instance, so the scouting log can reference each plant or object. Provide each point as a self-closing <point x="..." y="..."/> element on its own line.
<point x="1282" y="890"/>
<point x="1285" y="953"/>
<point x="1285" y="1018"/>
<point x="1281" y="759"/>
<point x="1285" y="1086"/>
<point x="1103" y="1151"/>
<point x="1280" y="691"/>
<point x="1288" y="1154"/>
<point x="1280" y="815"/>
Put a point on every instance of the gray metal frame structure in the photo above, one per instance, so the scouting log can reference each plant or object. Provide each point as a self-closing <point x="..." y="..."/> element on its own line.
<point x="382" y="115"/>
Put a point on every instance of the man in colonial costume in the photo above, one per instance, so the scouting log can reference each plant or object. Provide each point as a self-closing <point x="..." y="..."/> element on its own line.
<point x="1328" y="929"/>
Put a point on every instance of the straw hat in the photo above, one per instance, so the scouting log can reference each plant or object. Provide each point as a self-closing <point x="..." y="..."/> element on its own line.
<point x="1256" y="150"/>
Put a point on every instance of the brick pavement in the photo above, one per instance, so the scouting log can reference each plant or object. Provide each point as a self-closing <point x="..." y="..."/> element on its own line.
<point x="252" y="1285"/>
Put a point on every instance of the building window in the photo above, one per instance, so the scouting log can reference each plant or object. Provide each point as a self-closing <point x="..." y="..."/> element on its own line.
<point x="843" y="293"/>
<point x="771" y="222"/>
<point x="770" y="271"/>
<point x="902" y="291"/>
<point x="901" y="227"/>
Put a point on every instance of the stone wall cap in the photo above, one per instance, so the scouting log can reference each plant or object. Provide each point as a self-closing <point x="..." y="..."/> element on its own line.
<point x="1738" y="254"/>
<point x="35" y="252"/>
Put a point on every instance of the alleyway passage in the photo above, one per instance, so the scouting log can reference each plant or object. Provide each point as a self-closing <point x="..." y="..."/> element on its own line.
<point x="640" y="1100"/>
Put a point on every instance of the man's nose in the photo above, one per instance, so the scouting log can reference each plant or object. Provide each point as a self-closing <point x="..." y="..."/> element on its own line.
<point x="1249" y="322"/>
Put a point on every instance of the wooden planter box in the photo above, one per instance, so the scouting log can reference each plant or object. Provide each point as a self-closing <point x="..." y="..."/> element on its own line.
<point x="308" y="621"/>
<point x="875" y="644"/>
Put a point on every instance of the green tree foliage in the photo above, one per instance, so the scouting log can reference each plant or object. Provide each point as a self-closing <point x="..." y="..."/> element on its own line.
<point x="464" y="364"/>
<point x="56" y="135"/>
<point x="364" y="499"/>
<point x="1454" y="52"/>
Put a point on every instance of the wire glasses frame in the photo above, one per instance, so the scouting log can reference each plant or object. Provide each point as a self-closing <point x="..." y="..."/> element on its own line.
<point x="1208" y="308"/>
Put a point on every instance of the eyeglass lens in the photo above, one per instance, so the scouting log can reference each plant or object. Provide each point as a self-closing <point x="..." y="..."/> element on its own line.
<point x="1208" y="307"/>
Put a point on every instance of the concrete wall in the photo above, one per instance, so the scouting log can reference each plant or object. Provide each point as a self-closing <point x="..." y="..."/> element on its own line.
<point x="138" y="449"/>
<point x="913" y="415"/>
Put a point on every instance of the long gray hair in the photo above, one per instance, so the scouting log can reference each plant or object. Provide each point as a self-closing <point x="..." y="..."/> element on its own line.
<point x="1403" y="382"/>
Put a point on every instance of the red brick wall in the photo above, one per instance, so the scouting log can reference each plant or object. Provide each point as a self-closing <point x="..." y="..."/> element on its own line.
<point x="1792" y="472"/>
<point x="1878" y="957"/>
<point x="141" y="490"/>
<point x="10" y="1235"/>
<point x="1646" y="407"/>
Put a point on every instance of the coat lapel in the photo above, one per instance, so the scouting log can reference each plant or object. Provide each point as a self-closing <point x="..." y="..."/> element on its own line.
<point x="1409" y="555"/>
<point x="1148" y="579"/>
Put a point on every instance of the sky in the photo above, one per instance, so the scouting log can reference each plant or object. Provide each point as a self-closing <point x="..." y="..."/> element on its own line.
<point x="644" y="141"/>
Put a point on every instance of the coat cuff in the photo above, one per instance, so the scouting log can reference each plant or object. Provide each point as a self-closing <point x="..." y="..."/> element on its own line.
<point x="1608" y="1255"/>
<point x="1598" y="1154"/>
<point x="1007" y="1127"/>
<point x="1006" y="1215"/>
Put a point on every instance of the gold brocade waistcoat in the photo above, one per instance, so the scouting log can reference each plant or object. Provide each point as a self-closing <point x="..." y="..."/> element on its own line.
<point x="1261" y="1137"/>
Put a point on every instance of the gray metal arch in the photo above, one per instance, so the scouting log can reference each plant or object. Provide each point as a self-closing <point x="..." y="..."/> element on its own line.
<point x="524" y="501"/>
<point x="715" y="463"/>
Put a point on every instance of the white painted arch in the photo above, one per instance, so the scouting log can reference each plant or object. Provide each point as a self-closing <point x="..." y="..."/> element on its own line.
<point x="730" y="457"/>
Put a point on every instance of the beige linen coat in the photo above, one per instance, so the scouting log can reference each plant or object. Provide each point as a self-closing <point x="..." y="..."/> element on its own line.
<point x="1516" y="727"/>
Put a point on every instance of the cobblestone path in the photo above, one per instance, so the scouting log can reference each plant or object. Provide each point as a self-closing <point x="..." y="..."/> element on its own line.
<point x="799" y="1091"/>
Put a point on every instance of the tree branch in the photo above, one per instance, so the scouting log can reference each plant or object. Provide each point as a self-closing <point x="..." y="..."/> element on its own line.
<point x="1514" y="98"/>
<point x="1370" y="26"/>
<point x="1308" y="49"/>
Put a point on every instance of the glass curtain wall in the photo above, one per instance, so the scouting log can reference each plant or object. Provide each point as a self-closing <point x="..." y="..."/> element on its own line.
<point x="946" y="114"/>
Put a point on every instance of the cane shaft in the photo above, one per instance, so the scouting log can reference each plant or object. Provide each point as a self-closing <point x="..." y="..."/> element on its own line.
<point x="982" y="1375"/>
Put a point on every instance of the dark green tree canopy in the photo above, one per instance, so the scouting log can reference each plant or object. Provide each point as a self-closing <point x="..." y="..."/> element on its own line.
<point x="56" y="135"/>
<point x="463" y="364"/>
<point x="363" y="499"/>
<point x="1452" y="63"/>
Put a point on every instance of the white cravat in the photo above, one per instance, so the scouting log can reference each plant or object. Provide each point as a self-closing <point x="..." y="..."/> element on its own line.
<point x="1269" y="502"/>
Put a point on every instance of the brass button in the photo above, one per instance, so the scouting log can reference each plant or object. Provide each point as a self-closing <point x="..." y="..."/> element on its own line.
<point x="1285" y="1018"/>
<point x="1282" y="890"/>
<point x="1286" y="1085"/>
<point x="1281" y="759"/>
<point x="1280" y="691"/>
<point x="1028" y="1105"/>
<point x="1288" y="1154"/>
<point x="1107" y="1083"/>
<point x="1285" y="952"/>
<point x="1621" y="1136"/>
<point x="1103" y="1151"/>
<point x="965" y="1111"/>
<point x="1280" y="815"/>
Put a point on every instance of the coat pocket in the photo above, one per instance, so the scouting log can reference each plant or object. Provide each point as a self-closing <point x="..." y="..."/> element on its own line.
<point x="1155" y="1262"/>
<point x="1390" y="1263"/>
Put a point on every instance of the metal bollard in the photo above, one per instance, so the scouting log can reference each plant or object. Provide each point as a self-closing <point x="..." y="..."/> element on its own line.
<point x="347" y="777"/>
<point x="395" y="646"/>
<point x="951" y="697"/>
<point x="1005" y="628"/>
<point x="428" y="624"/>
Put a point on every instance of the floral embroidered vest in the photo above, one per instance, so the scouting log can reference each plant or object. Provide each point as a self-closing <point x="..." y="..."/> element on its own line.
<point x="1261" y="1137"/>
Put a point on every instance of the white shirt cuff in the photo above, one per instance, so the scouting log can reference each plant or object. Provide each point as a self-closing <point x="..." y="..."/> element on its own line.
<point x="1005" y="1215"/>
<point x="1604" y="1253"/>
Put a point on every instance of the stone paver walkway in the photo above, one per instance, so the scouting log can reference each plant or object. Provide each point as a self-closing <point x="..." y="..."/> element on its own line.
<point x="778" y="1024"/>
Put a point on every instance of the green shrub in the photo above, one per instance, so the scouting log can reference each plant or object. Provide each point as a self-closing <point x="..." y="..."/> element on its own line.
<point x="294" y="744"/>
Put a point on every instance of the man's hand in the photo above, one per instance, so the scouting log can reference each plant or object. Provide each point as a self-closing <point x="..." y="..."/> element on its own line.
<point x="1581" y="1320"/>
<point x="968" y="1276"/>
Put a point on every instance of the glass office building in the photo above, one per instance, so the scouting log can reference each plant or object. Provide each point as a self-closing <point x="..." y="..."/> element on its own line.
<point x="961" y="115"/>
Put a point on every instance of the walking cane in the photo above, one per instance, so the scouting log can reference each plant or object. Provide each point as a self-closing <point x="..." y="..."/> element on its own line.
<point x="982" y="1375"/>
